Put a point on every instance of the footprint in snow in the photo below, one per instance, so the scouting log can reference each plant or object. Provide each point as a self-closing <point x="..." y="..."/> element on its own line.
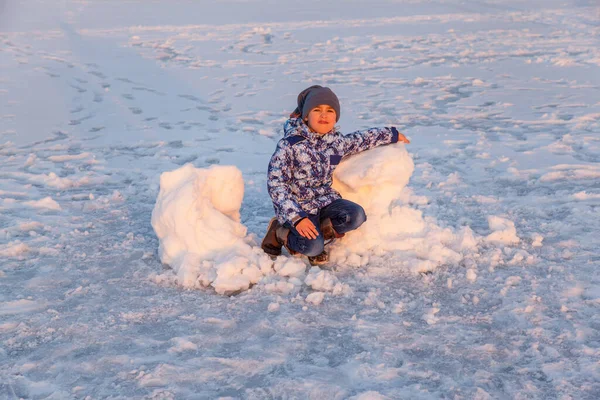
<point x="79" y="89"/>
<point x="189" y="97"/>
<point x="98" y="74"/>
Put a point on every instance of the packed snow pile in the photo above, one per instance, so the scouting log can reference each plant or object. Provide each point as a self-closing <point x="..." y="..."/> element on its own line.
<point x="197" y="220"/>
<point x="376" y="179"/>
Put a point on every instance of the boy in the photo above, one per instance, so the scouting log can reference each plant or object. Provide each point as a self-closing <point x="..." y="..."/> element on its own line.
<point x="308" y="210"/>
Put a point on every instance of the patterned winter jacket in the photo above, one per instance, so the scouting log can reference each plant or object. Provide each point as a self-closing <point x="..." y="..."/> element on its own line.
<point x="301" y="169"/>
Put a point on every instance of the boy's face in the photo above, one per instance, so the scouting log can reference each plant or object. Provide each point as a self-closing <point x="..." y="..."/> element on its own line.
<point x="321" y="119"/>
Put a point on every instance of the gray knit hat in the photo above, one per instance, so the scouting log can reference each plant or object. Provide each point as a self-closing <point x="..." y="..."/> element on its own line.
<point x="315" y="95"/>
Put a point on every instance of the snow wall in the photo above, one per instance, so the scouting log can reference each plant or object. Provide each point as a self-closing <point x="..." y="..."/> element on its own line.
<point x="197" y="221"/>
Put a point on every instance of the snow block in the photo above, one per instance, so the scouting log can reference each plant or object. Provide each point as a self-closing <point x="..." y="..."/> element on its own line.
<point x="197" y="221"/>
<point x="377" y="179"/>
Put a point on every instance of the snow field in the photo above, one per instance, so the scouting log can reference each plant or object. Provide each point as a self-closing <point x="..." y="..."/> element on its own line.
<point x="500" y="214"/>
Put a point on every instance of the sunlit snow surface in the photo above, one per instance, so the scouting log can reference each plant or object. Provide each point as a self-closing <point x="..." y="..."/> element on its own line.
<point x="501" y="101"/>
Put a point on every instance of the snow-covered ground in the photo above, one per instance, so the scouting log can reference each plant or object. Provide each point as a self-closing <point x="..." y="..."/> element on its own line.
<point x="490" y="291"/>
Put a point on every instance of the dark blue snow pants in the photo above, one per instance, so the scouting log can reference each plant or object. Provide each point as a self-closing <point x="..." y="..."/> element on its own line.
<point x="345" y="216"/>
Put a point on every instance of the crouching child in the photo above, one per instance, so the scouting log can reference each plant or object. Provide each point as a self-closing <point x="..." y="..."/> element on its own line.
<point x="309" y="213"/>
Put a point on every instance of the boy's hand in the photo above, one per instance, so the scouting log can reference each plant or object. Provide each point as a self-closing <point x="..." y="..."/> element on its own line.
<point x="403" y="139"/>
<point x="307" y="229"/>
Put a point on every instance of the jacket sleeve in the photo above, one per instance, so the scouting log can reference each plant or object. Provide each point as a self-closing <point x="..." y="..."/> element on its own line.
<point x="368" y="139"/>
<point x="278" y="184"/>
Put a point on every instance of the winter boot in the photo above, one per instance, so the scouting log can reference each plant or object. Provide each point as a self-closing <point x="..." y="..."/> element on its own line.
<point x="329" y="234"/>
<point x="275" y="238"/>
<point x="320" y="259"/>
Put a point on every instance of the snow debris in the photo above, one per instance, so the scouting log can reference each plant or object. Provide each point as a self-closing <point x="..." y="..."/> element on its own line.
<point x="373" y="299"/>
<point x="273" y="307"/>
<point x="466" y="240"/>
<point x="399" y="308"/>
<point x="325" y="281"/>
<point x="181" y="345"/>
<point x="453" y="180"/>
<point x="430" y="317"/>
<point x="280" y="287"/>
<point x="485" y="199"/>
<point x="513" y="281"/>
<point x="315" y="298"/>
<point x="471" y="275"/>
<point x="537" y="240"/>
<point x="290" y="267"/>
<point x="14" y="250"/>
<point x="45" y="203"/>
<point x="503" y="231"/>
<point x="30" y="160"/>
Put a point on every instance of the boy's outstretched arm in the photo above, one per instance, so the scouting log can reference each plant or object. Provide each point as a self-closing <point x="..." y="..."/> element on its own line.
<point x="278" y="185"/>
<point x="370" y="138"/>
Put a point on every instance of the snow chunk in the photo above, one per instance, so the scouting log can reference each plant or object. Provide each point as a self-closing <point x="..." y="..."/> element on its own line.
<point x="513" y="281"/>
<point x="315" y="298"/>
<point x="14" y="250"/>
<point x="280" y="287"/>
<point x="537" y="240"/>
<point x="30" y="160"/>
<point x="471" y="275"/>
<point x="466" y="239"/>
<point x="430" y="317"/>
<point x="376" y="179"/>
<point x="503" y="231"/>
<point x="181" y="345"/>
<point x="325" y="281"/>
<point x="197" y="211"/>
<point x="46" y="202"/>
<point x="290" y="267"/>
<point x="197" y="221"/>
<point x="273" y="307"/>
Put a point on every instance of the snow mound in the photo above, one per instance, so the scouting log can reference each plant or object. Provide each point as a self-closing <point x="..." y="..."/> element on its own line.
<point x="376" y="179"/>
<point x="197" y="221"/>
